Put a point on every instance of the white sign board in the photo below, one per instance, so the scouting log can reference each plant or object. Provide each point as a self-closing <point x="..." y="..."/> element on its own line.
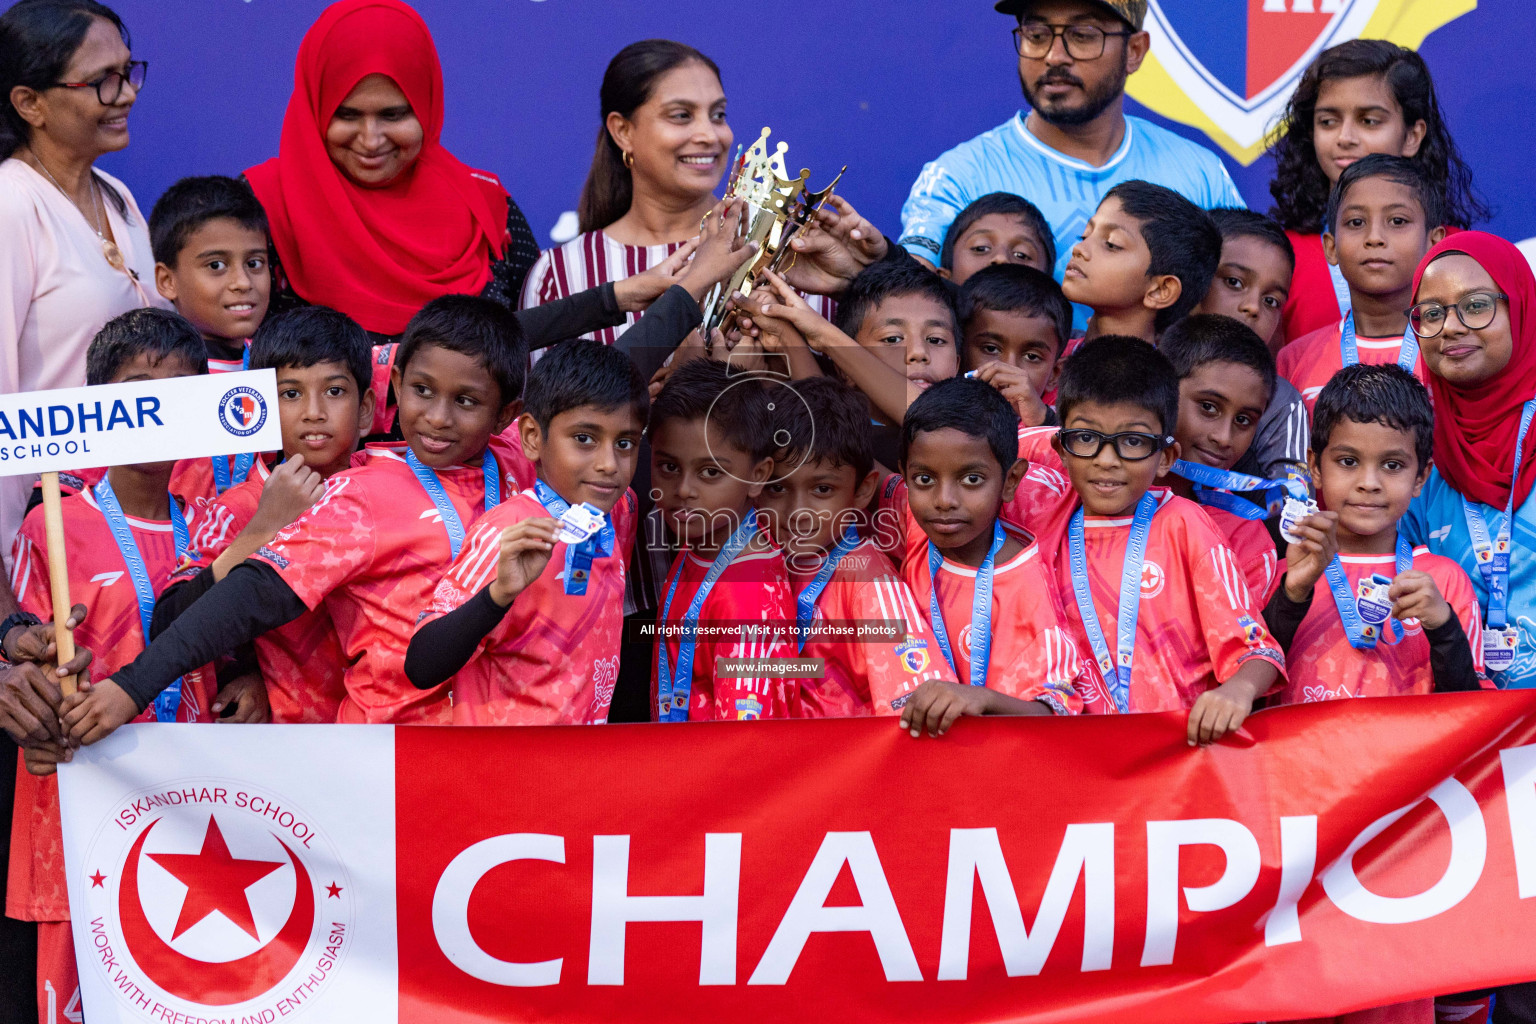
<point x="141" y="421"/>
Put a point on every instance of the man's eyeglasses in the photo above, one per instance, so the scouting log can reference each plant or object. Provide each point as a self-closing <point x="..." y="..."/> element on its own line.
<point x="1083" y="42"/>
<point x="1475" y="310"/>
<point x="110" y="85"/>
<point x="1132" y="446"/>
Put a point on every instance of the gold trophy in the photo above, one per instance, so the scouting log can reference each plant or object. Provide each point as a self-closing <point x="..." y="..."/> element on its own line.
<point x="778" y="207"/>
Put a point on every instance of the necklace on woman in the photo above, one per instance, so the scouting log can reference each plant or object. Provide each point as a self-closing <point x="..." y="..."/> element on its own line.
<point x="109" y="248"/>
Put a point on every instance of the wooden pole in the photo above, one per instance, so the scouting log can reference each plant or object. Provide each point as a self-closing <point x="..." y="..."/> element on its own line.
<point x="58" y="576"/>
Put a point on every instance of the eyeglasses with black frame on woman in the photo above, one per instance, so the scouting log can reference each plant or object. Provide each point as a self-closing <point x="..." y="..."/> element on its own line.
<point x="109" y="87"/>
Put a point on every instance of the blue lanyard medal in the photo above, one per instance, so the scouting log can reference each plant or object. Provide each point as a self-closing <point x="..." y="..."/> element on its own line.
<point x="427" y="477"/>
<point x="169" y="700"/>
<point x="674" y="689"/>
<point x="1366" y="612"/>
<point x="1340" y="289"/>
<point x="223" y="480"/>
<point x="578" y="556"/>
<point x="1349" y="351"/>
<point x="1117" y="669"/>
<point x="981" y="609"/>
<point x="1500" y="639"/>
<point x="805" y="604"/>
<point x="1214" y="486"/>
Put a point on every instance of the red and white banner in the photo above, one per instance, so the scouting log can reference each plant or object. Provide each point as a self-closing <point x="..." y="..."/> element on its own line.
<point x="1328" y="858"/>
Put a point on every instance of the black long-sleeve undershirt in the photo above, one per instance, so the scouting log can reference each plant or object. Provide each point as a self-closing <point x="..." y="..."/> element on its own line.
<point x="1450" y="656"/>
<point x="656" y="335"/>
<point x="443" y="646"/>
<point x="248" y="602"/>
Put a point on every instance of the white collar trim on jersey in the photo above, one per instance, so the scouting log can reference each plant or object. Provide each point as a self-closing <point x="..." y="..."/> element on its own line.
<point x="1072" y="162"/>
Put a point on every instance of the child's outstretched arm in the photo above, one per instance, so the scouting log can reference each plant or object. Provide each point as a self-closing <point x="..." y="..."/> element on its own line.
<point x="937" y="705"/>
<point x="251" y="600"/>
<point x="1225" y="708"/>
<point x="444" y="645"/>
<point x="1305" y="563"/>
<point x="887" y="389"/>
<point x="1415" y="595"/>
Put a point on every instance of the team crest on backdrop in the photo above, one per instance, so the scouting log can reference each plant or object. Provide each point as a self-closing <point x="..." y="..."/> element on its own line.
<point x="1227" y="67"/>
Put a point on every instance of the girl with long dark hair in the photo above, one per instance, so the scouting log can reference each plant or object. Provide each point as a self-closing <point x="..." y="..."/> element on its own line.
<point x="1361" y="97"/>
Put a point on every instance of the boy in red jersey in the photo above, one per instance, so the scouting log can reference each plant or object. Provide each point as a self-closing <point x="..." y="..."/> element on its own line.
<point x="373" y="547"/>
<point x="124" y="536"/>
<point x="983" y="583"/>
<point x="1149" y="584"/>
<point x="728" y="595"/>
<point x="1226" y="378"/>
<point x="1371" y="439"/>
<point x="823" y="479"/>
<point x="1383" y="216"/>
<point x="519" y="641"/>
<point x="323" y="399"/>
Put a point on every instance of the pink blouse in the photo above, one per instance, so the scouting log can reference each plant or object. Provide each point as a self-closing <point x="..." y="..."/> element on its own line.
<point x="56" y="291"/>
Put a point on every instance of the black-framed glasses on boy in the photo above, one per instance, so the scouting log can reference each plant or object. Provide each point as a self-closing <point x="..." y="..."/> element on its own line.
<point x="1475" y="310"/>
<point x="1083" y="42"/>
<point x="1131" y="445"/>
<point x="110" y="85"/>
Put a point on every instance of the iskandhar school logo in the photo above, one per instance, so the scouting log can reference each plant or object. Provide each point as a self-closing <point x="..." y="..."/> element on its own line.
<point x="206" y="895"/>
<point x="1227" y="67"/>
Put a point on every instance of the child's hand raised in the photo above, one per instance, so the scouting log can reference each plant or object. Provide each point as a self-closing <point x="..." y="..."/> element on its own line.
<point x="1015" y="385"/>
<point x="786" y="304"/>
<point x="833" y="249"/>
<point x="1307" y="560"/>
<point x="721" y="250"/>
<point x="1415" y="596"/>
<point x="637" y="292"/>
<point x="526" y="547"/>
<point x="288" y="493"/>
<point x="95" y="711"/>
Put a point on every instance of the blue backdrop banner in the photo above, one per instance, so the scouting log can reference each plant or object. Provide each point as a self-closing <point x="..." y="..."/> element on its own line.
<point x="881" y="87"/>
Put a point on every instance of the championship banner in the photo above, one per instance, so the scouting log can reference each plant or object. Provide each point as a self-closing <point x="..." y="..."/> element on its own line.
<point x="1327" y="858"/>
<point x="140" y="421"/>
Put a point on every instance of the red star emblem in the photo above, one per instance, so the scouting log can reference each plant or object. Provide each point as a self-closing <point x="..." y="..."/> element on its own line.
<point x="97" y="879"/>
<point x="334" y="891"/>
<point x="215" y="881"/>
<point x="1148" y="577"/>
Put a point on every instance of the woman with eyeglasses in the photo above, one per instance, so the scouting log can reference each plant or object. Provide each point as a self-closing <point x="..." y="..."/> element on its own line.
<point x="1475" y="314"/>
<point x="74" y="248"/>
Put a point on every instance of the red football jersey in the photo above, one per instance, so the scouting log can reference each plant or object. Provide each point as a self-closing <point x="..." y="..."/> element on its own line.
<point x="371" y="550"/>
<point x="554" y="658"/>
<point x="1254" y="548"/>
<point x="227" y="365"/>
<point x="754" y="588"/>
<point x="1323" y="664"/>
<point x="98" y="578"/>
<point x="1310" y="361"/>
<point x="1032" y="657"/>
<point x="301" y="661"/>
<point x="865" y="588"/>
<point x="1196" y="624"/>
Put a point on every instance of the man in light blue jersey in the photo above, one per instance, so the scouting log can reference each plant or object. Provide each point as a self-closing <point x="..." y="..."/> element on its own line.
<point x="1076" y="143"/>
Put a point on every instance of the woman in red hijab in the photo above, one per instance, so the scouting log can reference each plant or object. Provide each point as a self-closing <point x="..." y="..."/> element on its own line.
<point x="371" y="215"/>
<point x="1475" y="314"/>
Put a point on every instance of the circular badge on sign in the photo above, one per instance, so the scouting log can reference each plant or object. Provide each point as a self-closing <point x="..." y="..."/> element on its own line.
<point x="242" y="411"/>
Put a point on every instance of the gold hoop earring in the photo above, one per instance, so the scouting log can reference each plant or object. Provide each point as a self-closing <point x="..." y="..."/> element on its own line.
<point x="629" y="159"/>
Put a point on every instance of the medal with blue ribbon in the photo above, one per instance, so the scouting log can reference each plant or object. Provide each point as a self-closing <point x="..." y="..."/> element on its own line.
<point x="1362" y="635"/>
<point x="1500" y="640"/>
<point x="674" y="688"/>
<point x="578" y="557"/>
<point x="805" y="604"/>
<point x="981" y="608"/>
<point x="169" y="699"/>
<point x="223" y="479"/>
<point x="427" y="477"/>
<point x="1214" y="487"/>
<point x="1116" y="669"/>
<point x="1349" y="350"/>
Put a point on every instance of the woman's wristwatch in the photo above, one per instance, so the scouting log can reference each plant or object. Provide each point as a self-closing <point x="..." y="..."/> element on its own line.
<point x="11" y="622"/>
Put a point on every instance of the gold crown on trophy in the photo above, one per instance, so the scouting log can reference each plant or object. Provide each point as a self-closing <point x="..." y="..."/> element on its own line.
<point x="778" y="206"/>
